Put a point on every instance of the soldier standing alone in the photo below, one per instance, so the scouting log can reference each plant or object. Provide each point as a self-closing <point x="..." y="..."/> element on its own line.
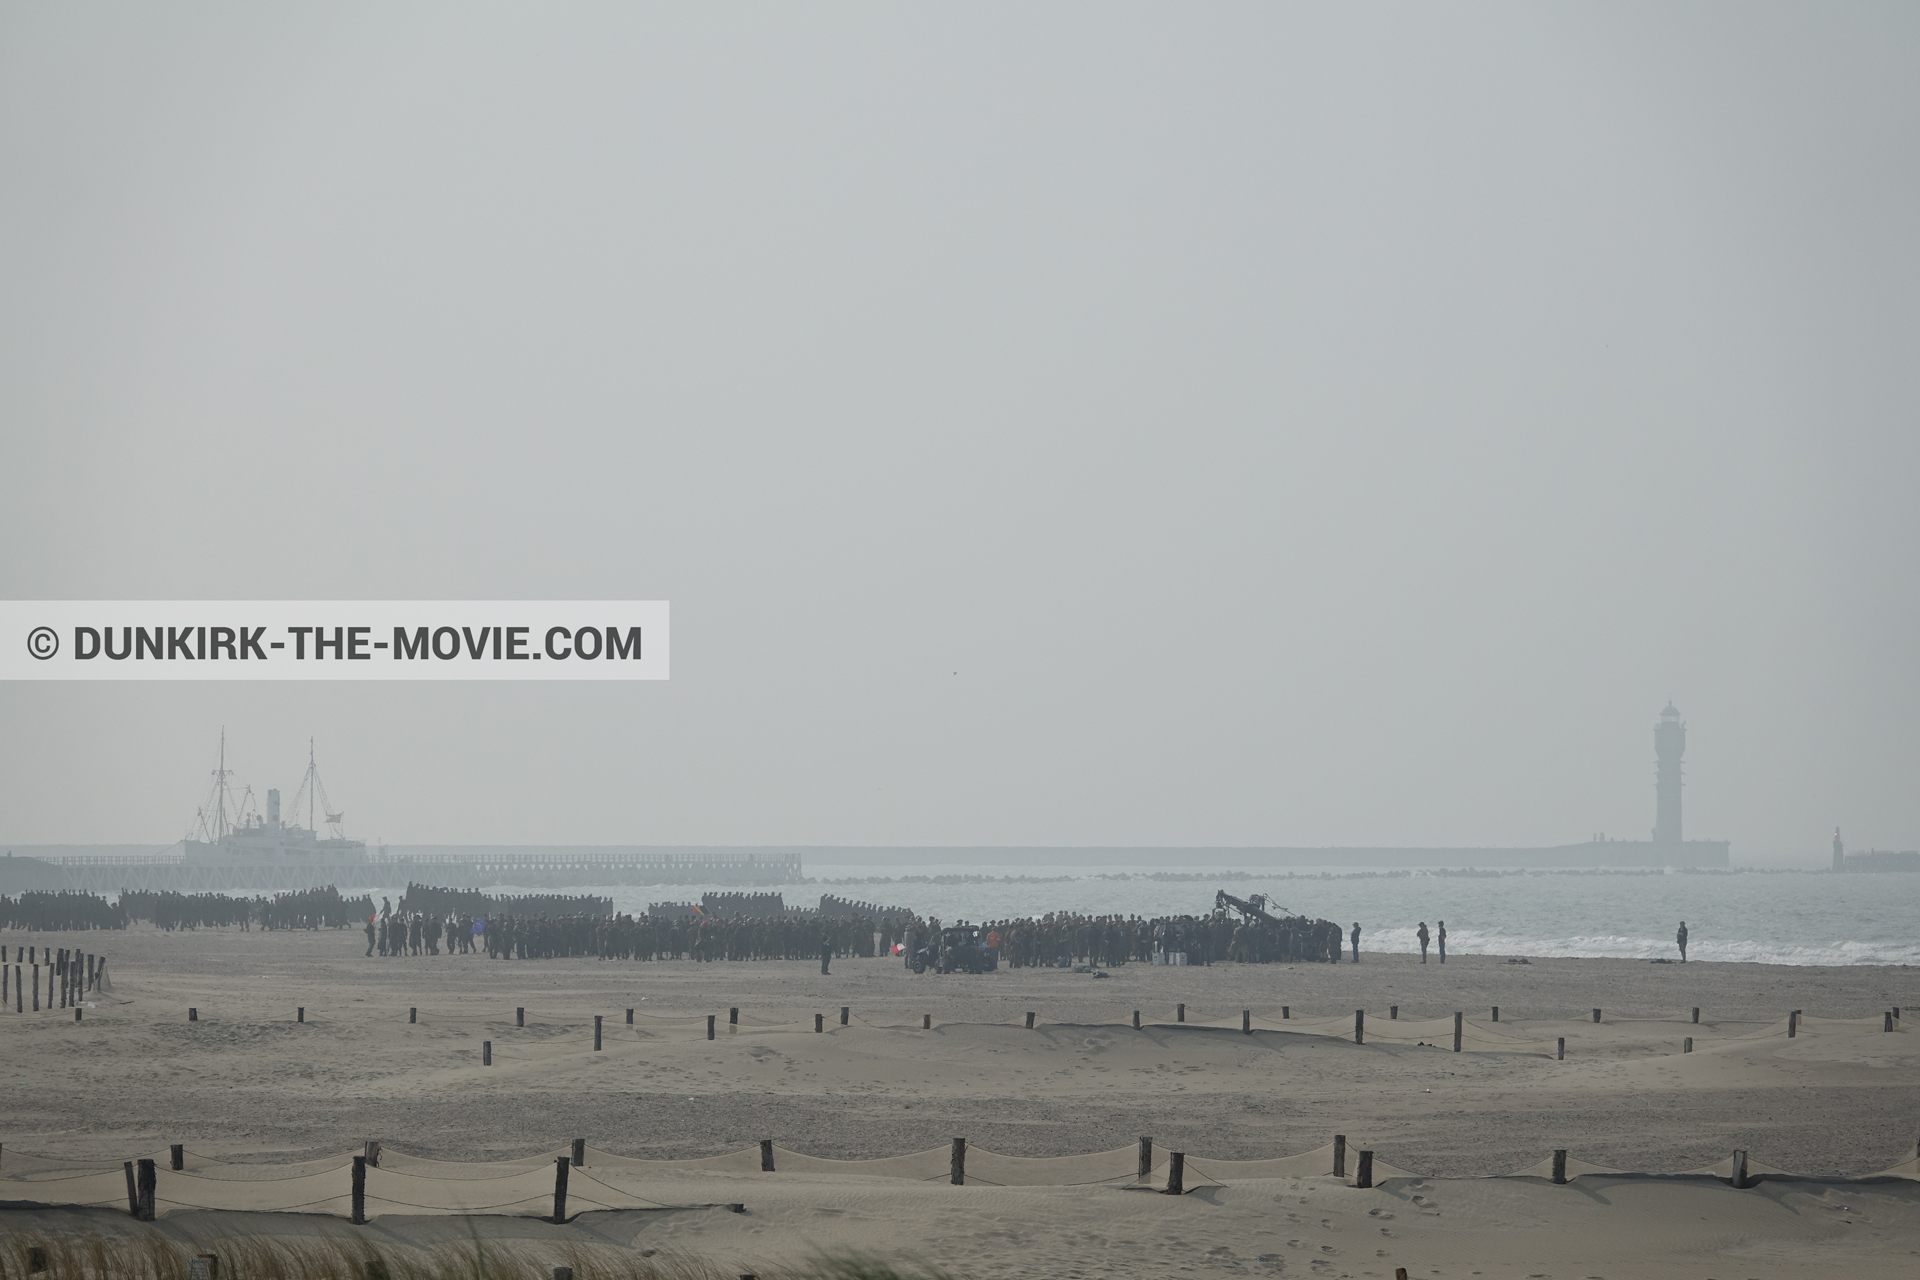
<point x="1356" y="942"/>
<point x="1681" y="938"/>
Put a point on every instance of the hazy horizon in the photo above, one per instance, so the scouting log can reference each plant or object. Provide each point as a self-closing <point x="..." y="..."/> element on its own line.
<point x="1111" y="425"/>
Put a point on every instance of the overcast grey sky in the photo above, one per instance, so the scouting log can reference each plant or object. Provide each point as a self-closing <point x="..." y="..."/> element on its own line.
<point x="1051" y="424"/>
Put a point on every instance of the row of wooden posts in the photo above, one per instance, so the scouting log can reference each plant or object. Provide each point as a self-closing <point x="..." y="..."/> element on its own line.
<point x="1180" y="1015"/>
<point x="141" y="1178"/>
<point x="71" y="974"/>
<point x="1889" y="1017"/>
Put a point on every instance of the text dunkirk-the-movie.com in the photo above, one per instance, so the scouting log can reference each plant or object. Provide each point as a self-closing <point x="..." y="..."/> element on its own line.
<point x="333" y="640"/>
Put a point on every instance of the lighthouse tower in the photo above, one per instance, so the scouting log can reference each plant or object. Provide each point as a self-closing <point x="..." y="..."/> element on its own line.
<point x="1669" y="744"/>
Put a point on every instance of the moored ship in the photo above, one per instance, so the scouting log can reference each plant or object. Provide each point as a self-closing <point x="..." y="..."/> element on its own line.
<point x="232" y="832"/>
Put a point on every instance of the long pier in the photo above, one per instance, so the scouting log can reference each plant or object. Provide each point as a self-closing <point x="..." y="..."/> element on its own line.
<point x="477" y="868"/>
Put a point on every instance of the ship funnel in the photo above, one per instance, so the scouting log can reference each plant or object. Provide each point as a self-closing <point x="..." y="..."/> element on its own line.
<point x="273" y="807"/>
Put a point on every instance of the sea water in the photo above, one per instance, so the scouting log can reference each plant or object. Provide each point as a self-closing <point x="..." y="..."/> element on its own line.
<point x="1814" y="918"/>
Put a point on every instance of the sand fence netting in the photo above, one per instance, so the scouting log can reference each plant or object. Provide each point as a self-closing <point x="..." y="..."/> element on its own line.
<point x="525" y="1186"/>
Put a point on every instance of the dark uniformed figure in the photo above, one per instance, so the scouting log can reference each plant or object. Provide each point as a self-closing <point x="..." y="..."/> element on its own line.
<point x="1424" y="936"/>
<point x="1355" y="935"/>
<point x="370" y="935"/>
<point x="1442" y="940"/>
<point x="1681" y="938"/>
<point x="826" y="951"/>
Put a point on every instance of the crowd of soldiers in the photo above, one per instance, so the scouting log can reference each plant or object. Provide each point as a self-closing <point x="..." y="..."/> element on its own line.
<point x="692" y="936"/>
<point x="61" y="911"/>
<point x="1059" y="938"/>
<point x="425" y="899"/>
<point x="322" y="908"/>
<point x="1070" y="938"/>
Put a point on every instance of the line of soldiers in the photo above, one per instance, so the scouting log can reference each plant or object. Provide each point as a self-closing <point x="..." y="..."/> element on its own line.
<point x="790" y="936"/>
<point x="296" y="909"/>
<point x="1053" y="939"/>
<point x="66" y="909"/>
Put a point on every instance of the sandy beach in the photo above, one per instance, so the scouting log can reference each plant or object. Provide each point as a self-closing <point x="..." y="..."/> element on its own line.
<point x="247" y="1082"/>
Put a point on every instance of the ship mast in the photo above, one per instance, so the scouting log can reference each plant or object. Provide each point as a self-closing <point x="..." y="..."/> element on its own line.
<point x="213" y="810"/>
<point x="315" y="794"/>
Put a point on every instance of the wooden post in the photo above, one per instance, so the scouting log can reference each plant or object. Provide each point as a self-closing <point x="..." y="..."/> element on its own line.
<point x="90" y="971"/>
<point x="1496" y="1013"/>
<point x="1359" y="1026"/>
<point x="926" y="1022"/>
<point x="133" y="1193"/>
<point x="819" y="1023"/>
<point x="1696" y="1013"/>
<point x="1176" y="1173"/>
<point x="1286" y="1011"/>
<point x="1180" y="1015"/>
<point x="1596" y="1015"/>
<point x="1793" y="1024"/>
<point x="766" y="1155"/>
<point x="36" y="990"/>
<point x="147" y="1180"/>
<point x="520" y="1017"/>
<point x="1136" y="1019"/>
<point x="1686" y="1045"/>
<point x="579" y="1153"/>
<point x="486" y="1053"/>
<point x="629" y="1017"/>
<point x="1029" y="1019"/>
<point x="1886" y="1023"/>
<point x="359" y="1191"/>
<point x="1364" y="1178"/>
<point x="560" y="1189"/>
<point x="1146" y="1158"/>
<point x="957" y="1165"/>
<point x="844" y="1011"/>
<point x="413" y="1015"/>
<point x="77" y="1011"/>
<point x="596" y="1031"/>
<point x="300" y="1014"/>
<point x="17" y="997"/>
<point x="733" y="1017"/>
<point x="1393" y="1013"/>
<point x="1560" y="1167"/>
<point x="710" y="1018"/>
<point x="1739" y="1178"/>
<point x="193" y="1015"/>
<point x="1560" y="1053"/>
<point x="177" y="1157"/>
<point x="1339" y="1155"/>
<point x="1458" y="1019"/>
<point x="372" y="1153"/>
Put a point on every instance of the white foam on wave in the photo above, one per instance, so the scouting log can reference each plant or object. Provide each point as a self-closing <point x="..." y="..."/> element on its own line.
<point x="1617" y="947"/>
